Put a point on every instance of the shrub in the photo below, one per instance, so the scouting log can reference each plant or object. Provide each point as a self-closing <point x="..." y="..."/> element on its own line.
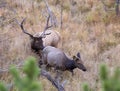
<point x="108" y="82"/>
<point x="28" y="81"/>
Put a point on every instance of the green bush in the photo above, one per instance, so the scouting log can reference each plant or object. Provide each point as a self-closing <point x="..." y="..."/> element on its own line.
<point x="85" y="87"/>
<point x="108" y="82"/>
<point x="29" y="79"/>
<point x="2" y="87"/>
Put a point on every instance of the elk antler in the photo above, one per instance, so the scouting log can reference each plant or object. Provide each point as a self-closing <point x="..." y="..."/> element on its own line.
<point x="46" y="27"/>
<point x="21" y="25"/>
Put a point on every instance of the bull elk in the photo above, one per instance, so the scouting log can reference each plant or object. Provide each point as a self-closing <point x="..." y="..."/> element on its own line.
<point x="40" y="40"/>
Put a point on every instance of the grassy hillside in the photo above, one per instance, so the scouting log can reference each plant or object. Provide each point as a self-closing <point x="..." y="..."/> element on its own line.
<point x="87" y="28"/>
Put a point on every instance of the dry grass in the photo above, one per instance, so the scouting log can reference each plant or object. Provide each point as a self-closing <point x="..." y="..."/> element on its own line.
<point x="92" y="32"/>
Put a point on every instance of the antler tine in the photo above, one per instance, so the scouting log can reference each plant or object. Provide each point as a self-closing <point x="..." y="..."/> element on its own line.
<point x="46" y="27"/>
<point x="21" y="25"/>
<point x="47" y="24"/>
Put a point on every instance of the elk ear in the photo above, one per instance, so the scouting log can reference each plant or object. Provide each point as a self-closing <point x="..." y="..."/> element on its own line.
<point x="75" y="58"/>
<point x="78" y="55"/>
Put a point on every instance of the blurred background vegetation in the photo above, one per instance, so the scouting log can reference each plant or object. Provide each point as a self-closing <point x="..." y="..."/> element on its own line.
<point x="89" y="26"/>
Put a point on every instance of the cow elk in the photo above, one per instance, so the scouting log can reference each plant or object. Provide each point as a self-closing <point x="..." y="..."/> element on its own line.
<point x="54" y="57"/>
<point x="40" y="40"/>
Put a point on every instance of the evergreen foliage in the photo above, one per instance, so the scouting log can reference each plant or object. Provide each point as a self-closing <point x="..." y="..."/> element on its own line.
<point x="108" y="82"/>
<point x="2" y="87"/>
<point x="29" y="80"/>
<point x="85" y="87"/>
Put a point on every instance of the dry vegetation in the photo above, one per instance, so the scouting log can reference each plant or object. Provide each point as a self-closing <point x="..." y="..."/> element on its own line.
<point x="92" y="31"/>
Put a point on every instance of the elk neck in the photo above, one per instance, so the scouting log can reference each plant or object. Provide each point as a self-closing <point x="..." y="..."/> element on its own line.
<point x="42" y="48"/>
<point x="70" y="64"/>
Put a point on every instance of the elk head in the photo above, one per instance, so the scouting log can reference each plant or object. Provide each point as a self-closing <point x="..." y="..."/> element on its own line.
<point x="78" y="62"/>
<point x="36" y="42"/>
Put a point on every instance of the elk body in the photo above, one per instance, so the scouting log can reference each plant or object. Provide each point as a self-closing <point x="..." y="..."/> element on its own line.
<point x="53" y="39"/>
<point x="54" y="57"/>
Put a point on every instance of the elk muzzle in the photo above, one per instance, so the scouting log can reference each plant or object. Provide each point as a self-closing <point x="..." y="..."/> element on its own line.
<point x="81" y="67"/>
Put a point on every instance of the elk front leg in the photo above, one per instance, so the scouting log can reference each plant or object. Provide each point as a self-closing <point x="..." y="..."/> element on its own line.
<point x="58" y="76"/>
<point x="72" y="72"/>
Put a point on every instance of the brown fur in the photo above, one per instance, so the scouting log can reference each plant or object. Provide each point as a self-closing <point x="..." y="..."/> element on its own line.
<point x="53" y="39"/>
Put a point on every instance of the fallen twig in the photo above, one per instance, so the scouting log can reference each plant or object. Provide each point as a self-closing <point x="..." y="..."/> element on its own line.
<point x="53" y="81"/>
<point x="7" y="69"/>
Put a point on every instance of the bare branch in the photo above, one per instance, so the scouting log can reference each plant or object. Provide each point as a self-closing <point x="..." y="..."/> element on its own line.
<point x="117" y="7"/>
<point x="64" y="82"/>
<point x="53" y="81"/>
<point x="3" y="4"/>
<point x="10" y="86"/>
<point x="3" y="70"/>
<point x="47" y="24"/>
<point x="52" y="16"/>
<point x="44" y="73"/>
<point x="61" y="18"/>
<point x="105" y="6"/>
<point x="7" y="69"/>
<point x="46" y="27"/>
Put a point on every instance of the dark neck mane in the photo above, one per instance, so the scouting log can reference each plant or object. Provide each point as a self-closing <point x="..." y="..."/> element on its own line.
<point x="43" y="48"/>
<point x="70" y="64"/>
